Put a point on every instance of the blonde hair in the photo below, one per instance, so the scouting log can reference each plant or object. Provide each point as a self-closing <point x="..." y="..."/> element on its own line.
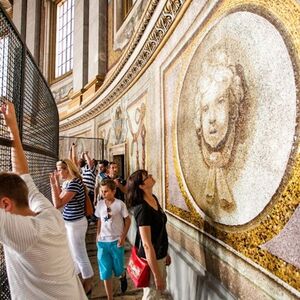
<point x="70" y="166"/>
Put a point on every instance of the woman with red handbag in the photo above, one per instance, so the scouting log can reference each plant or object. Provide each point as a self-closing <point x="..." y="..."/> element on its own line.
<point x="151" y="221"/>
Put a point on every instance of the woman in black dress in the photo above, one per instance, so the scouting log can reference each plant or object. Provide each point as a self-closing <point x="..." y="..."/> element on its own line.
<point x="151" y="221"/>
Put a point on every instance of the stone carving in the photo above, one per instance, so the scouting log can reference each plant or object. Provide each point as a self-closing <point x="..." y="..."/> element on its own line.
<point x="61" y="93"/>
<point x="130" y="25"/>
<point x="138" y="134"/>
<point x="106" y="138"/>
<point x="118" y="120"/>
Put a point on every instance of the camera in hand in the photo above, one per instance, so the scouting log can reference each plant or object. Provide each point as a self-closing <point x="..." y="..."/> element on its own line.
<point x="121" y="180"/>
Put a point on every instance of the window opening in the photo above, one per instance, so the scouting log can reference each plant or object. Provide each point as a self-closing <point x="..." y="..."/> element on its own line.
<point x="64" y="37"/>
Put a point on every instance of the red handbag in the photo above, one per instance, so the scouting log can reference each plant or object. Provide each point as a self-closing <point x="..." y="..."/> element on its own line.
<point x="138" y="269"/>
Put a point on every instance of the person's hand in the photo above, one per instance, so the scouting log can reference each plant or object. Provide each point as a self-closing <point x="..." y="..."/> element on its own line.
<point x="159" y="283"/>
<point x="117" y="182"/>
<point x="121" y="242"/>
<point x="168" y="260"/>
<point x="54" y="177"/>
<point x="9" y="114"/>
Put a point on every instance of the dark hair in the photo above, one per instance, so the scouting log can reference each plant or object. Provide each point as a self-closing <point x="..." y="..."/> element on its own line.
<point x="95" y="161"/>
<point x="135" y="195"/>
<point x="81" y="162"/>
<point x="15" y="188"/>
<point x="113" y="163"/>
<point x="109" y="183"/>
<point x="104" y="162"/>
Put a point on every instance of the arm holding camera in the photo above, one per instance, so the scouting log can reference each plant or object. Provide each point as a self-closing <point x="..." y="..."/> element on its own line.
<point x="121" y="184"/>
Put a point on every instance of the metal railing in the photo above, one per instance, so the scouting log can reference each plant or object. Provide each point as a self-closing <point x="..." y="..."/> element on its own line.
<point x="22" y="83"/>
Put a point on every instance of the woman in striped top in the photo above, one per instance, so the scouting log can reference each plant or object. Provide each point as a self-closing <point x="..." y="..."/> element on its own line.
<point x="72" y="197"/>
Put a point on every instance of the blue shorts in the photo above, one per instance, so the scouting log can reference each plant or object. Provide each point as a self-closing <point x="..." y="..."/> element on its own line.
<point x="110" y="259"/>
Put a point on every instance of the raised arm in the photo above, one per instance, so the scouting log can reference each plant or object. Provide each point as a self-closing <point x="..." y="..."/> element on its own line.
<point x="19" y="161"/>
<point x="88" y="159"/>
<point x="37" y="201"/>
<point x="73" y="154"/>
<point x="122" y="187"/>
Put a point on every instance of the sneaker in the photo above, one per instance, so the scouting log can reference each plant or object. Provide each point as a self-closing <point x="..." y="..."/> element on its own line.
<point x="123" y="283"/>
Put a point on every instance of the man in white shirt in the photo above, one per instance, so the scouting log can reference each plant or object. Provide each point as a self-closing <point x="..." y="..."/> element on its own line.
<point x="32" y="231"/>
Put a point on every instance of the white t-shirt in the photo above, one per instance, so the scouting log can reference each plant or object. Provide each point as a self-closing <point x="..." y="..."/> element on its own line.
<point x="112" y="223"/>
<point x="37" y="255"/>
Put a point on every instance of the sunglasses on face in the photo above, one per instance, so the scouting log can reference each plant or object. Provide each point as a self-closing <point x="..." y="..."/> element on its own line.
<point x="108" y="210"/>
<point x="146" y="177"/>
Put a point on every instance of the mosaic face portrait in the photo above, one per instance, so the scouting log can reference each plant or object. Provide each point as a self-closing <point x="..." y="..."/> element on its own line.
<point x="220" y="89"/>
<point x="214" y="115"/>
<point x="236" y="105"/>
<point x="217" y="99"/>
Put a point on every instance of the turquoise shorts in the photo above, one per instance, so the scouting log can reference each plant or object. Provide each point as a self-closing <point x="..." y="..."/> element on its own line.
<point x="110" y="259"/>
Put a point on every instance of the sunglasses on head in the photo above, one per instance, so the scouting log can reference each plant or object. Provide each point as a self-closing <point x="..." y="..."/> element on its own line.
<point x="108" y="210"/>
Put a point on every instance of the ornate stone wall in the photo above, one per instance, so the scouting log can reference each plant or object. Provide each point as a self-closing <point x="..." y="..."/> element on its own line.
<point x="206" y="97"/>
<point x="232" y="133"/>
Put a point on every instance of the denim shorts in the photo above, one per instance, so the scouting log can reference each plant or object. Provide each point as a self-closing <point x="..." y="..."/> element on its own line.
<point x="110" y="259"/>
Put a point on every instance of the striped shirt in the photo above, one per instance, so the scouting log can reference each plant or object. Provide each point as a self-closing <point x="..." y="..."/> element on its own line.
<point x="75" y="208"/>
<point x="38" y="260"/>
<point x="89" y="177"/>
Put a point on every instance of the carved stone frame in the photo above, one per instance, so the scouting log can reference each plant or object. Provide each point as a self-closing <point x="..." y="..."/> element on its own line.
<point x="120" y="149"/>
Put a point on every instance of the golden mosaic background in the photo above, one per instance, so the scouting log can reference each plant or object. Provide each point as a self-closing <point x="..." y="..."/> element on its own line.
<point x="285" y="15"/>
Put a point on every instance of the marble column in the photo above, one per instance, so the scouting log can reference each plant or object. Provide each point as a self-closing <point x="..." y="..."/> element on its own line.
<point x="97" y="39"/>
<point x="33" y="25"/>
<point x="80" y="45"/>
<point x="19" y="16"/>
<point x="47" y="46"/>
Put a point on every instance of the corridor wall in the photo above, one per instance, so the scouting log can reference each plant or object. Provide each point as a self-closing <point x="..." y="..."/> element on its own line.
<point x="206" y="97"/>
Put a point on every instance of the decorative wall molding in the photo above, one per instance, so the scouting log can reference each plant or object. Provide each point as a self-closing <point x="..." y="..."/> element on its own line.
<point x="61" y="94"/>
<point x="168" y="15"/>
<point x="124" y="34"/>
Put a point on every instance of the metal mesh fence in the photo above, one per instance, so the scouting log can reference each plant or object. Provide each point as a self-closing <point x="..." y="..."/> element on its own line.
<point x="94" y="146"/>
<point x="22" y="83"/>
